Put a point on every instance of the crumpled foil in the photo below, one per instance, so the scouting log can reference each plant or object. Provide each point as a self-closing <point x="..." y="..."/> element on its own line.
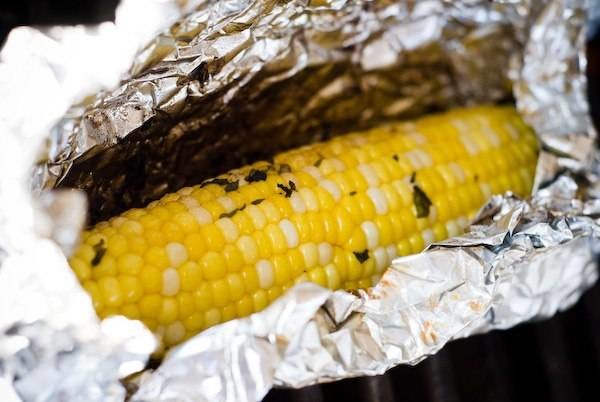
<point x="238" y="80"/>
<point x="52" y="345"/>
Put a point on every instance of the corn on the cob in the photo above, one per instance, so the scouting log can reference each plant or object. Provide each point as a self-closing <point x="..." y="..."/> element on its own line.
<point x="335" y="213"/>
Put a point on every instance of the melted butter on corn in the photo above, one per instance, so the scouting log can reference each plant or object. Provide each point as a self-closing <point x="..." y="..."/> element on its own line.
<point x="334" y="213"/>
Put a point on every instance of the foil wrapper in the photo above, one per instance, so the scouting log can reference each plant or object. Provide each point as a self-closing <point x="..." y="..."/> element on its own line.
<point x="238" y="80"/>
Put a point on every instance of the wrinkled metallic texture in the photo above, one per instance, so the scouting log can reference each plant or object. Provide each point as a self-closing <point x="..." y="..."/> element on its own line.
<point x="52" y="346"/>
<point x="238" y="80"/>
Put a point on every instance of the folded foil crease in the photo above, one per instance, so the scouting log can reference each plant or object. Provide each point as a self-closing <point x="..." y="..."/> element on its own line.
<point x="238" y="80"/>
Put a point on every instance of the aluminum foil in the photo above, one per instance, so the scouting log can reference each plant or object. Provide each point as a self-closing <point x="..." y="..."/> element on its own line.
<point x="237" y="80"/>
<point x="240" y="80"/>
<point x="52" y="345"/>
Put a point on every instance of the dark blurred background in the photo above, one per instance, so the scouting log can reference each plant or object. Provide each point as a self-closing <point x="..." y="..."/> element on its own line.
<point x="556" y="360"/>
<point x="54" y="12"/>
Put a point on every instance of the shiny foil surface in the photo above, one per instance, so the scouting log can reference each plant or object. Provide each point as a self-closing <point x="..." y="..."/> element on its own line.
<point x="238" y="80"/>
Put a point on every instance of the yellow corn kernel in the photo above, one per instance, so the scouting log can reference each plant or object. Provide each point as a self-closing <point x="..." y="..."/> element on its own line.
<point x="213" y="237"/>
<point x="105" y="268"/>
<point x="213" y="266"/>
<point x="203" y="297"/>
<point x="244" y="307"/>
<point x="116" y="245"/>
<point x="212" y="317"/>
<point x="131" y="311"/>
<point x="281" y="269"/>
<point x="130" y="264"/>
<point x="81" y="269"/>
<point x="151" y="279"/>
<point x="168" y="311"/>
<point x="220" y="292"/>
<point x="263" y="244"/>
<point x="194" y="323"/>
<point x="260" y="300"/>
<point x="110" y="291"/>
<point x="131" y="288"/>
<point x="190" y="276"/>
<point x="157" y="256"/>
<point x="228" y="312"/>
<point x="243" y="222"/>
<point x="185" y="304"/>
<point x="273" y="293"/>
<point x="194" y="244"/>
<point x="149" y="305"/>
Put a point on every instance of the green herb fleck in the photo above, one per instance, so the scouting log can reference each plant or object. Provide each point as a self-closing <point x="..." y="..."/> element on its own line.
<point x="361" y="256"/>
<point x="421" y="201"/>
<point x="257" y="201"/>
<point x="232" y="213"/>
<point x="287" y="190"/>
<point x="256" y="175"/>
<point x="232" y="186"/>
<point x="100" y="250"/>
<point x="217" y="181"/>
<point x="228" y="214"/>
<point x="395" y="157"/>
<point x="352" y="193"/>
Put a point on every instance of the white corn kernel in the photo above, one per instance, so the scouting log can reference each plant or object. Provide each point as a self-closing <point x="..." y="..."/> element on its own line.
<point x="229" y="229"/>
<point x="378" y="198"/>
<point x="333" y="276"/>
<point x="289" y="231"/>
<point x="392" y="252"/>
<point x="310" y="253"/>
<point x="227" y="203"/>
<point x="325" y="253"/>
<point x="452" y="228"/>
<point x="203" y="217"/>
<point x="177" y="254"/>
<point x="256" y="215"/>
<point x="428" y="236"/>
<point x="266" y="277"/>
<point x="297" y="203"/>
<point x="381" y="259"/>
<point x="371" y="233"/>
<point x="458" y="172"/>
<point x="311" y="202"/>
<point x="338" y="165"/>
<point x="170" y="281"/>
<point x="369" y="174"/>
<point x="174" y="333"/>
<point x="462" y="223"/>
<point x="313" y="171"/>
<point x="486" y="190"/>
<point x="189" y="202"/>
<point x="332" y="188"/>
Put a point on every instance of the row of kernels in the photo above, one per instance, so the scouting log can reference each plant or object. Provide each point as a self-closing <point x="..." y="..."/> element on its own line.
<point x="113" y="292"/>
